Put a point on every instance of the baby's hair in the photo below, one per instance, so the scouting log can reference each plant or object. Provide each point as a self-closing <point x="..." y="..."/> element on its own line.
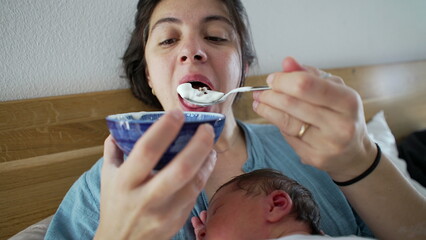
<point x="265" y="181"/>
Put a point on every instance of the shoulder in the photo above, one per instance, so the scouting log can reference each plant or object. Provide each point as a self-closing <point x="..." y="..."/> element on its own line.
<point x="259" y="127"/>
<point x="262" y="130"/>
<point x="268" y="137"/>
<point x="78" y="214"/>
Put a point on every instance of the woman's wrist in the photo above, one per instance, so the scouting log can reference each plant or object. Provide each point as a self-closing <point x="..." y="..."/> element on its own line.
<point x="365" y="173"/>
<point x="357" y="164"/>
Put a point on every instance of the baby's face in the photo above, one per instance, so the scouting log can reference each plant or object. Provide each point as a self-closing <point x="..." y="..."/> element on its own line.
<point x="234" y="215"/>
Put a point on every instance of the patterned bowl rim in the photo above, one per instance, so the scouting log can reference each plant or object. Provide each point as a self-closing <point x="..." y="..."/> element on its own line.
<point x="120" y="117"/>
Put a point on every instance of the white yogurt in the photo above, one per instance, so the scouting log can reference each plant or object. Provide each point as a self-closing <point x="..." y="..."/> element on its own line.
<point x="202" y="95"/>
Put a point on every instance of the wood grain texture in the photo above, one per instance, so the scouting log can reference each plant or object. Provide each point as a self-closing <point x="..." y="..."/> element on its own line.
<point x="30" y="142"/>
<point x="51" y="111"/>
<point x="37" y="127"/>
<point x="31" y="189"/>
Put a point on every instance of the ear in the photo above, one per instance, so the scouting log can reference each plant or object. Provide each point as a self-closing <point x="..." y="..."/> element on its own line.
<point x="246" y="68"/>
<point x="279" y="204"/>
<point x="290" y="64"/>
<point x="148" y="77"/>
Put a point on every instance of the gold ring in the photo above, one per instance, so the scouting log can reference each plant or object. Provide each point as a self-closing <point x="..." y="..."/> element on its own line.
<point x="303" y="129"/>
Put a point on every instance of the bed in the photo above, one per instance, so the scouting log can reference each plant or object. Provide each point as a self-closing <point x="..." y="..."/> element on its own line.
<point x="47" y="143"/>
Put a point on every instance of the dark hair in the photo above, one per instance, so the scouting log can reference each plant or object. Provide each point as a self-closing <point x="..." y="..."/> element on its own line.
<point x="265" y="181"/>
<point x="134" y="58"/>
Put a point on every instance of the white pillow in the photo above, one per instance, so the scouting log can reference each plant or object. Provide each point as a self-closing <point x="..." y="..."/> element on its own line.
<point x="36" y="231"/>
<point x="379" y="132"/>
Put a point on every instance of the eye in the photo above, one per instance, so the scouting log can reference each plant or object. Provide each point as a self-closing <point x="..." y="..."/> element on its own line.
<point x="216" y="39"/>
<point x="168" y="42"/>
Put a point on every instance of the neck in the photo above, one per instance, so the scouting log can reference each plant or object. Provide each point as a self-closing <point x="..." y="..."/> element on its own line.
<point x="230" y="136"/>
<point x="290" y="227"/>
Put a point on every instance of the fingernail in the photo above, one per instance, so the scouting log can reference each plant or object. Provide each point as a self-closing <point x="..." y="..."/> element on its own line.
<point x="270" y="79"/>
<point x="176" y="114"/>
<point x="255" y="104"/>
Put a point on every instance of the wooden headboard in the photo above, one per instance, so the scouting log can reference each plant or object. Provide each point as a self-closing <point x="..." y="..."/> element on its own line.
<point x="47" y="143"/>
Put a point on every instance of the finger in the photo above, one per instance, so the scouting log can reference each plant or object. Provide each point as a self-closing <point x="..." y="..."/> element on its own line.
<point x="326" y="127"/>
<point x="315" y="90"/>
<point x="113" y="156"/>
<point x="292" y="107"/>
<point x="189" y="192"/>
<point x="284" y="121"/>
<point x="308" y="153"/>
<point x="192" y="166"/>
<point x="150" y="147"/>
<point x="180" y="202"/>
<point x="303" y="149"/>
<point x="290" y="64"/>
<point x="203" y="216"/>
<point x="196" y="223"/>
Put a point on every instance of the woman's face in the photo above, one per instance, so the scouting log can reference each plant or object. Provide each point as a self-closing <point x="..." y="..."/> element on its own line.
<point x="192" y="41"/>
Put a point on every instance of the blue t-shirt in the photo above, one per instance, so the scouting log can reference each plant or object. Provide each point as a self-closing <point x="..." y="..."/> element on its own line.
<point x="78" y="215"/>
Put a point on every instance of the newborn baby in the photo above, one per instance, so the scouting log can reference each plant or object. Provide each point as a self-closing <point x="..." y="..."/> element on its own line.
<point x="263" y="204"/>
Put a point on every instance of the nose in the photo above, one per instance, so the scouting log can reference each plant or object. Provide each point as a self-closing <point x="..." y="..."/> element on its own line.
<point x="192" y="52"/>
<point x="198" y="57"/>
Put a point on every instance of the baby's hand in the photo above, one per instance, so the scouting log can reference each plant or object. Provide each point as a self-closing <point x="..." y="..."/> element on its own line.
<point x="198" y="223"/>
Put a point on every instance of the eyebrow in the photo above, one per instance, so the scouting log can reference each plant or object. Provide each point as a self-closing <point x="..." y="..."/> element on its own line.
<point x="166" y="20"/>
<point x="205" y="20"/>
<point x="218" y="18"/>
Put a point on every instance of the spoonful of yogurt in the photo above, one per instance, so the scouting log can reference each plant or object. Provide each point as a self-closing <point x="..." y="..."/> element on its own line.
<point x="205" y="97"/>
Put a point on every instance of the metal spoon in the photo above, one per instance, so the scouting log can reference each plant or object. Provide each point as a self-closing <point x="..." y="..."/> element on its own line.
<point x="223" y="98"/>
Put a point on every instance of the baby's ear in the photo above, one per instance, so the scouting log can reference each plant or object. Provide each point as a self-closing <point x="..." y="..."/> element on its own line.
<point x="279" y="205"/>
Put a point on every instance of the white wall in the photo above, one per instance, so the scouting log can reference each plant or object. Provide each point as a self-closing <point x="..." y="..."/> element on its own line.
<point x="57" y="47"/>
<point x="338" y="33"/>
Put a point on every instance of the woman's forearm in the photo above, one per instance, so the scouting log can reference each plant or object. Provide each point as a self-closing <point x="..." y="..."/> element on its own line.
<point x="389" y="205"/>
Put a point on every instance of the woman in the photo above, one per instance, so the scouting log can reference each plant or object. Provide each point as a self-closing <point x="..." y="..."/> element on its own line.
<point x="316" y="117"/>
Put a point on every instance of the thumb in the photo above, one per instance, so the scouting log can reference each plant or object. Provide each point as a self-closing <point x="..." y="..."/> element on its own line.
<point x="113" y="158"/>
<point x="290" y="64"/>
<point x="203" y="216"/>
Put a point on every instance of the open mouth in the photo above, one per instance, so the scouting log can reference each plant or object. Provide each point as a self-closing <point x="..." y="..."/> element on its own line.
<point x="200" y="86"/>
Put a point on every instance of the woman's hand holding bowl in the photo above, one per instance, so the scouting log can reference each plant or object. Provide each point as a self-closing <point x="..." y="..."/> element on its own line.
<point x="137" y="203"/>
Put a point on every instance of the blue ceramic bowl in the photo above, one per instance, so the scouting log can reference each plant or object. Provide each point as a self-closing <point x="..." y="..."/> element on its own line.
<point x="127" y="128"/>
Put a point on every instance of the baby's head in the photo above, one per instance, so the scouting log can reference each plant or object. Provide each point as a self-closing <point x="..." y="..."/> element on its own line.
<point x="261" y="204"/>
